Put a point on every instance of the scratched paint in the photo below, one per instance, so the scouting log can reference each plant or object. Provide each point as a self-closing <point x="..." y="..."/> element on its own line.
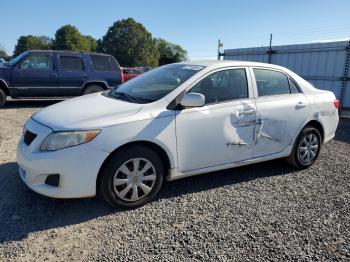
<point x="269" y="131"/>
<point x="238" y="131"/>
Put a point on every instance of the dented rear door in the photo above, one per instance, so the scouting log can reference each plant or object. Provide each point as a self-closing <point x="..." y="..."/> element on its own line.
<point x="280" y="114"/>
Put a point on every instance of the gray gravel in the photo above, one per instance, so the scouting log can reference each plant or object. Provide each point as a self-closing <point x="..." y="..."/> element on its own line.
<point x="266" y="211"/>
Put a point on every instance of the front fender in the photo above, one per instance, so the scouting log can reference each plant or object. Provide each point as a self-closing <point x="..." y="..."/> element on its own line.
<point x="159" y="131"/>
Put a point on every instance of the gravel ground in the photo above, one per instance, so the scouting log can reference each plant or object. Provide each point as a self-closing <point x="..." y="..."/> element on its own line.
<point x="266" y="211"/>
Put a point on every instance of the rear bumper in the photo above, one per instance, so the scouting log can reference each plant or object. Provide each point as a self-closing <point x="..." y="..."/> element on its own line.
<point x="330" y="125"/>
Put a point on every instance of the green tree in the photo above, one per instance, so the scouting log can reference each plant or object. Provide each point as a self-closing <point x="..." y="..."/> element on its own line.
<point x="130" y="43"/>
<point x="3" y="53"/>
<point x="68" y="37"/>
<point x="31" y="42"/>
<point x="92" y="43"/>
<point x="46" y="41"/>
<point x="169" y="52"/>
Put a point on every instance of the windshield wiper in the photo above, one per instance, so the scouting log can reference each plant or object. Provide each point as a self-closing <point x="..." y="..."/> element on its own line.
<point x="124" y="95"/>
<point x="127" y="97"/>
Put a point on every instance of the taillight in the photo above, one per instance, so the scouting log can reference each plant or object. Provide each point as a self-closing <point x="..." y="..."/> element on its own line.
<point x="122" y="79"/>
<point x="337" y="103"/>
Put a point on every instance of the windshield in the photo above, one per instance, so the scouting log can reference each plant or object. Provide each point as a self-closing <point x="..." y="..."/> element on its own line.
<point x="155" y="84"/>
<point x="14" y="61"/>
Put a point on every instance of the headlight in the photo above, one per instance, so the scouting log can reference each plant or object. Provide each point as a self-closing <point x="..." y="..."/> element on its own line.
<point x="59" y="140"/>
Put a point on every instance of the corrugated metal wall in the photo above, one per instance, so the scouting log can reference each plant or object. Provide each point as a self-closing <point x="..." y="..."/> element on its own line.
<point x="323" y="64"/>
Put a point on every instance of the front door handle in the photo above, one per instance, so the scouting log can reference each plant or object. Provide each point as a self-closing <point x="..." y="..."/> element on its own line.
<point x="248" y="112"/>
<point x="300" y="105"/>
<point x="52" y="75"/>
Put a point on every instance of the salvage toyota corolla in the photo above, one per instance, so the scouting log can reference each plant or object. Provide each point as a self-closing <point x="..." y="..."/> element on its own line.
<point x="172" y="122"/>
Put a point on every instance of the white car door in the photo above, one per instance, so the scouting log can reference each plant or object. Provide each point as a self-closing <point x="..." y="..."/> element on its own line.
<point x="222" y="131"/>
<point x="281" y="111"/>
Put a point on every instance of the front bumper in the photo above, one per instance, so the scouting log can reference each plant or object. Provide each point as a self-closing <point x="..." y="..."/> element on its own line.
<point x="77" y="166"/>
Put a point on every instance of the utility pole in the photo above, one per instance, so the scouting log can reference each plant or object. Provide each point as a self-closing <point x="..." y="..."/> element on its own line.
<point x="220" y="46"/>
<point x="269" y="58"/>
<point x="345" y="77"/>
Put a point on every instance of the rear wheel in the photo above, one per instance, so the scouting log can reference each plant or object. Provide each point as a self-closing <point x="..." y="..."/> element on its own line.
<point x="2" y="98"/>
<point x="306" y="148"/>
<point x="93" y="89"/>
<point x="132" y="177"/>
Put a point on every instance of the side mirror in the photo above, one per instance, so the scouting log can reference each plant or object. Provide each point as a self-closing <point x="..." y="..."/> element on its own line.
<point x="193" y="100"/>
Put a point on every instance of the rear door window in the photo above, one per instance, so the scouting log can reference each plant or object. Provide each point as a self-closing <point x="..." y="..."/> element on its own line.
<point x="293" y="87"/>
<point x="101" y="63"/>
<point x="71" y="63"/>
<point x="271" y="82"/>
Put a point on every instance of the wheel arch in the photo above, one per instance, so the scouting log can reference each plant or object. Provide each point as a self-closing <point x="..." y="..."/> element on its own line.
<point x="157" y="148"/>
<point x="316" y="124"/>
<point x="4" y="87"/>
<point x="103" y="84"/>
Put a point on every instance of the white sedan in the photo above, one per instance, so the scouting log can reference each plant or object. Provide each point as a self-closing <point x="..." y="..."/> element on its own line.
<point x="172" y="122"/>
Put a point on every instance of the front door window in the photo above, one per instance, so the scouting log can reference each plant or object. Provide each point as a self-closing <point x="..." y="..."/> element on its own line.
<point x="223" y="86"/>
<point x="37" y="62"/>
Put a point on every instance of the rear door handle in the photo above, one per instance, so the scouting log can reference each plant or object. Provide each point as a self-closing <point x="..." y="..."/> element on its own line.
<point x="52" y="75"/>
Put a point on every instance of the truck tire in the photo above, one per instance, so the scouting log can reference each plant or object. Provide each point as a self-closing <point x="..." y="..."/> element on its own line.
<point x="93" y="89"/>
<point x="2" y="98"/>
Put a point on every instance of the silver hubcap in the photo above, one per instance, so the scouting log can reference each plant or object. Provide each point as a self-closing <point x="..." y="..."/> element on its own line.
<point x="134" y="179"/>
<point x="308" y="148"/>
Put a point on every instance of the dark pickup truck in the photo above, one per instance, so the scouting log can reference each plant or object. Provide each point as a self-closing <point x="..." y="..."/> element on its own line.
<point x="37" y="74"/>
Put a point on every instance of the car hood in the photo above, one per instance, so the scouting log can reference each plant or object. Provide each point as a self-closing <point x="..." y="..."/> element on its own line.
<point x="4" y="68"/>
<point x="85" y="112"/>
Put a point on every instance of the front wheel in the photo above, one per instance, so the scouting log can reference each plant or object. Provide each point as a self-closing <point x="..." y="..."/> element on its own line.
<point x="306" y="148"/>
<point x="132" y="177"/>
<point x="2" y="98"/>
<point x="93" y="89"/>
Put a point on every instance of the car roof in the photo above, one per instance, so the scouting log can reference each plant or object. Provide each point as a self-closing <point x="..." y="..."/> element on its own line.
<point x="225" y="63"/>
<point x="133" y="68"/>
<point x="67" y="51"/>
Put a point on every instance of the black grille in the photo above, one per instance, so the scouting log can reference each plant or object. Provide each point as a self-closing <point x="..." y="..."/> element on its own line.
<point x="29" y="137"/>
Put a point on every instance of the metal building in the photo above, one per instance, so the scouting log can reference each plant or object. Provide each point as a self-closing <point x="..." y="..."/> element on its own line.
<point x="326" y="65"/>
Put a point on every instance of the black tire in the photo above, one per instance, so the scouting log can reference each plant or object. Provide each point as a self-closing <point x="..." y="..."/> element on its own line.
<point x="93" y="89"/>
<point x="295" y="158"/>
<point x="106" y="187"/>
<point x="2" y="98"/>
